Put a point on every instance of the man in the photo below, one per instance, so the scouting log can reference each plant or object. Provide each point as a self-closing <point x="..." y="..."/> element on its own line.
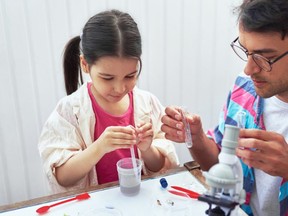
<point x="262" y="93"/>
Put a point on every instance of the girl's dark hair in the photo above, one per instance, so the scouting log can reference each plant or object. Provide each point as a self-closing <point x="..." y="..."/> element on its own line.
<point x="109" y="33"/>
<point x="264" y="16"/>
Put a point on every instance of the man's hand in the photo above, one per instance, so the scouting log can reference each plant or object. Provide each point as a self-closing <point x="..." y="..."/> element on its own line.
<point x="264" y="150"/>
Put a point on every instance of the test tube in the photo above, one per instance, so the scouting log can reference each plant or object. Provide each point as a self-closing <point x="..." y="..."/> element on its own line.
<point x="241" y="122"/>
<point x="188" y="135"/>
<point x="241" y="119"/>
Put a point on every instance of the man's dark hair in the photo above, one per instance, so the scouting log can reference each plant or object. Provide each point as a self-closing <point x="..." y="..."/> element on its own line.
<point x="264" y="16"/>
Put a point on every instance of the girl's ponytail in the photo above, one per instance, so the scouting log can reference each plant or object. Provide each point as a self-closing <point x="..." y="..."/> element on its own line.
<point x="71" y="65"/>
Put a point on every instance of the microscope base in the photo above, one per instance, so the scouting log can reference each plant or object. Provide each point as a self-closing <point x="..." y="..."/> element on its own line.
<point x="221" y="205"/>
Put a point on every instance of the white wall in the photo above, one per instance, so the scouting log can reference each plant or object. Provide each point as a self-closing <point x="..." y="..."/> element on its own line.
<point x="187" y="61"/>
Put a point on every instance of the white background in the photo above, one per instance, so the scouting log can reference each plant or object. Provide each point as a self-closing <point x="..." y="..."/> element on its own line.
<point x="187" y="60"/>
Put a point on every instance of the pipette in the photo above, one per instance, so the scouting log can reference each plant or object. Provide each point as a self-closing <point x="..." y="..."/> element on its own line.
<point x="133" y="158"/>
<point x="44" y="209"/>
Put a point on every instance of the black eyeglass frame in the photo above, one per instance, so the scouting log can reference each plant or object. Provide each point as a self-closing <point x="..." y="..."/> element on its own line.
<point x="270" y="62"/>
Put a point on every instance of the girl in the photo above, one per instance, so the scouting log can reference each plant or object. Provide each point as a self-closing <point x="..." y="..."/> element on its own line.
<point x="95" y="126"/>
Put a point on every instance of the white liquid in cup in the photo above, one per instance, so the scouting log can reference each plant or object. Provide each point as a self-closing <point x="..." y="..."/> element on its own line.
<point x="129" y="181"/>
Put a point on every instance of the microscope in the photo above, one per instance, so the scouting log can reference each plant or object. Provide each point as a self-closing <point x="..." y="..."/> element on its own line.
<point x="225" y="179"/>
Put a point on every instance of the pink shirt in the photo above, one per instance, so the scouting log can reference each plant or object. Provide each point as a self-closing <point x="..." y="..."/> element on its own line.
<point x="106" y="166"/>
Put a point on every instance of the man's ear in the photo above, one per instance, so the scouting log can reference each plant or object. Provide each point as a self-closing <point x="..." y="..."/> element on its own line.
<point x="84" y="64"/>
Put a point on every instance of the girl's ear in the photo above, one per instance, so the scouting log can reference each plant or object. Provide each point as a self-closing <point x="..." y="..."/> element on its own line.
<point x="84" y="64"/>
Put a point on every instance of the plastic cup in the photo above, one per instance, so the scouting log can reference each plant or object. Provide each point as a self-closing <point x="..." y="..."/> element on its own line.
<point x="129" y="179"/>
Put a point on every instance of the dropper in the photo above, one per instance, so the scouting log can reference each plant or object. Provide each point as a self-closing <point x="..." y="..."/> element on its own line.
<point x="133" y="158"/>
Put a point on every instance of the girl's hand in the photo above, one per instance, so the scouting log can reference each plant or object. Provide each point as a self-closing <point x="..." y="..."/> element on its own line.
<point x="145" y="136"/>
<point x="116" y="137"/>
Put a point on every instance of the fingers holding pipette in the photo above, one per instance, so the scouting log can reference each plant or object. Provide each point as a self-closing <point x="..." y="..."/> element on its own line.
<point x="145" y="134"/>
<point x="116" y="137"/>
<point x="154" y="160"/>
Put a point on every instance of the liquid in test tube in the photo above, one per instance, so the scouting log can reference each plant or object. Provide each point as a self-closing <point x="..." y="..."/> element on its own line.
<point x="188" y="136"/>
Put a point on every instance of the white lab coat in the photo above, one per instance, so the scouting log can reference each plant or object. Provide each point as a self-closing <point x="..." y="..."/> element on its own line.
<point x="70" y="129"/>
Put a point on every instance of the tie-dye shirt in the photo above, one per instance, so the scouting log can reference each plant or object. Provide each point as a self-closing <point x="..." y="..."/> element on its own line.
<point x="244" y="98"/>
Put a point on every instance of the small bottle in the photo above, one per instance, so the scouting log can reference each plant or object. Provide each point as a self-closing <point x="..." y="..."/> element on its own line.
<point x="163" y="183"/>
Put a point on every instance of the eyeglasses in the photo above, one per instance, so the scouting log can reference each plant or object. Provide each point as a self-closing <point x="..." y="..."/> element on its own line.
<point x="264" y="63"/>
